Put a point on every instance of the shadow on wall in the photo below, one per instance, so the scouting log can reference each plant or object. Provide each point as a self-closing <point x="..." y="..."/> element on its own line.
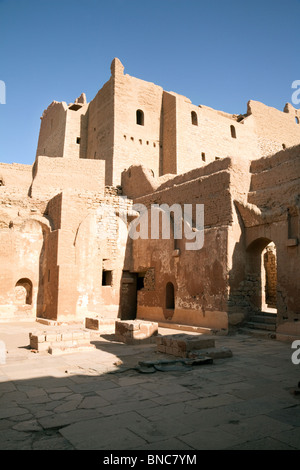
<point x="46" y="299"/>
<point x="145" y="285"/>
<point x="252" y="279"/>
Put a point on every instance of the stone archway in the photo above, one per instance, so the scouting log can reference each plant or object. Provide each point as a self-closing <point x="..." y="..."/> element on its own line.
<point x="261" y="265"/>
<point x="169" y="301"/>
<point x="23" y="292"/>
<point x="270" y="275"/>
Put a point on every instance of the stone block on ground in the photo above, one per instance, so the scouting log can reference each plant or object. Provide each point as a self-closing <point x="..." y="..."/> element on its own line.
<point x="95" y="323"/>
<point x="135" y="331"/>
<point x="56" y="342"/>
<point x="182" y="344"/>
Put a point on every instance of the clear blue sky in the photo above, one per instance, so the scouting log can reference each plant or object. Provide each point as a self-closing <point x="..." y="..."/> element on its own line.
<point x="216" y="53"/>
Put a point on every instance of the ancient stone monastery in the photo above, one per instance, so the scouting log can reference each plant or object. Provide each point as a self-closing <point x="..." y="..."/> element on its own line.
<point x="65" y="252"/>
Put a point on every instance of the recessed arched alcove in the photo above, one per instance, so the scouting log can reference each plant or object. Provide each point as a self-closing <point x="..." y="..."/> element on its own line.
<point x="140" y="117"/>
<point x="23" y="292"/>
<point x="170" y="296"/>
<point x="194" y="118"/>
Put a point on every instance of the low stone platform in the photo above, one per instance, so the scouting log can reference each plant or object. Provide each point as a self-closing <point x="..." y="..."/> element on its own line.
<point x="60" y="342"/>
<point x="97" y="323"/>
<point x="181" y="345"/>
<point x="135" y="331"/>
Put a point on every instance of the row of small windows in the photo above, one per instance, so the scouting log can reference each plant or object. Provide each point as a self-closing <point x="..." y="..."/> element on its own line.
<point x="203" y="157"/>
<point x="140" y="120"/>
<point x="194" y="119"/>
<point x="141" y="141"/>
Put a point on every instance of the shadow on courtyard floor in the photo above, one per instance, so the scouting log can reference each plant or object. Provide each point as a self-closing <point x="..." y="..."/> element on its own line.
<point x="96" y="400"/>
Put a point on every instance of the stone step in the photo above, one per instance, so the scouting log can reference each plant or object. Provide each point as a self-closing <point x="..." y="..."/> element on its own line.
<point x="263" y="319"/>
<point x="266" y="314"/>
<point x="261" y="326"/>
<point x="258" y="333"/>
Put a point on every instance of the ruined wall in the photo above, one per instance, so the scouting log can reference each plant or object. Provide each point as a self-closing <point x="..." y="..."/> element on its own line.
<point x="15" y="178"/>
<point x="136" y="143"/>
<point x="22" y="248"/>
<point x="52" y="176"/>
<point x="24" y="229"/>
<point x="135" y="122"/>
<point x="138" y="181"/>
<point x="75" y="142"/>
<point x="63" y="131"/>
<point x="90" y="237"/>
<point x="79" y="259"/>
<point x="272" y="215"/>
<point x="216" y="135"/>
<point x="52" y="130"/>
<point x="199" y="276"/>
<point x="100" y="129"/>
<point x="196" y="135"/>
<point x="275" y="129"/>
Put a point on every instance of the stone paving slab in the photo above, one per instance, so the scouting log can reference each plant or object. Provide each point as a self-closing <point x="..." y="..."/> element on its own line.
<point x="97" y="400"/>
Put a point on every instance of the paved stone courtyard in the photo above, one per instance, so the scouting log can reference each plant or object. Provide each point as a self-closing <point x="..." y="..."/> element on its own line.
<point x="98" y="400"/>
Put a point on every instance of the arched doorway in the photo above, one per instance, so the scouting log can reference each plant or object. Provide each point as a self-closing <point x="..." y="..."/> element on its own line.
<point x="23" y="292"/>
<point x="270" y="277"/>
<point x="262" y="275"/>
<point x="170" y="296"/>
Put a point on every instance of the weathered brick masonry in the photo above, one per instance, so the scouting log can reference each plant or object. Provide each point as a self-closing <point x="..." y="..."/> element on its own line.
<point x="65" y="249"/>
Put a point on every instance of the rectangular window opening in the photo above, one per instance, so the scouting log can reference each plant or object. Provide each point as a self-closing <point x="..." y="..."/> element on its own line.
<point x="141" y="281"/>
<point x="106" y="278"/>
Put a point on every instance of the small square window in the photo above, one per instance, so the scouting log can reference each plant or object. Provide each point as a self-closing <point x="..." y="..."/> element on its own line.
<point x="106" y="278"/>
